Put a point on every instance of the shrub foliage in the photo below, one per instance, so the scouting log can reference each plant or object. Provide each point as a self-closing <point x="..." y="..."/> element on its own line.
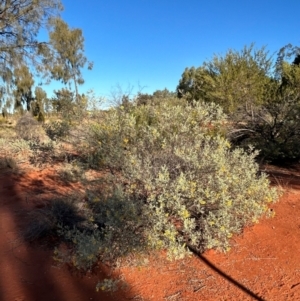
<point x="179" y="173"/>
<point x="174" y="183"/>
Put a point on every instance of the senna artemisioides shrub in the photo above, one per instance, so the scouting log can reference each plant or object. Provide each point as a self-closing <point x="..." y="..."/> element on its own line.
<point x="195" y="190"/>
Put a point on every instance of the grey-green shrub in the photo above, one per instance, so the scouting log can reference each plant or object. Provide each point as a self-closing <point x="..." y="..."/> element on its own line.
<point x="85" y="247"/>
<point x="121" y="221"/>
<point x="50" y="219"/>
<point x="8" y="162"/>
<point x="192" y="189"/>
<point x="28" y="128"/>
<point x="112" y="230"/>
<point x="57" y="129"/>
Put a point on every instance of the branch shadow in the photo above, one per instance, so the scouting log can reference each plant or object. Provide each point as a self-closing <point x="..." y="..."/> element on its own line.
<point x="234" y="282"/>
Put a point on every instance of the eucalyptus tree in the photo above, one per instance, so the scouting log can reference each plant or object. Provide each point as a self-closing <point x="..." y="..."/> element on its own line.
<point x="23" y="82"/>
<point x="20" y="23"/>
<point x="63" y="102"/>
<point x="66" y="57"/>
<point x="40" y="103"/>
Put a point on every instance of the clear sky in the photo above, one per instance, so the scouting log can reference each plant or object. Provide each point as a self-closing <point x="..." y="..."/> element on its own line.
<point x="148" y="43"/>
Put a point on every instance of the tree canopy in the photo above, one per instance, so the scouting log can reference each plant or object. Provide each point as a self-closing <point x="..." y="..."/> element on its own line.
<point x="233" y="80"/>
<point x="20" y="22"/>
<point x="23" y="81"/>
<point x="66" y="57"/>
<point x="23" y="57"/>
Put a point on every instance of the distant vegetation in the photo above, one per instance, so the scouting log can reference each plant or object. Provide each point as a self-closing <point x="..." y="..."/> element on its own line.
<point x="178" y="168"/>
<point x="260" y="94"/>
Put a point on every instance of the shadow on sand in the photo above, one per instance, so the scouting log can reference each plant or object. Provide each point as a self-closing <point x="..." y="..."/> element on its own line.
<point x="28" y="272"/>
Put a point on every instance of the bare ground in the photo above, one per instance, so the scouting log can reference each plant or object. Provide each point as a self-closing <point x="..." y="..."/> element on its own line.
<point x="263" y="263"/>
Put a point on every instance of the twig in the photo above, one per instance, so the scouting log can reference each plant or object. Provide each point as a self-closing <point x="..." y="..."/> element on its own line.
<point x="173" y="296"/>
<point x="199" y="288"/>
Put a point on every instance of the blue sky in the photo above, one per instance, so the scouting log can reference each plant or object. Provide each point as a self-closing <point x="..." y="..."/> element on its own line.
<point x="148" y="43"/>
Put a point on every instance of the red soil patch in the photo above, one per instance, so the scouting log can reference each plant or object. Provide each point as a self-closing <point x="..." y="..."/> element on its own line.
<point x="263" y="263"/>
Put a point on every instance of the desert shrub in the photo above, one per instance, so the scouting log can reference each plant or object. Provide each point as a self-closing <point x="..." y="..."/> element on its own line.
<point x="71" y="172"/>
<point x="50" y="219"/>
<point x="65" y="213"/>
<point x="14" y="145"/>
<point x="121" y="220"/>
<point x="195" y="190"/>
<point x="28" y="128"/>
<point x="202" y="200"/>
<point x="84" y="251"/>
<point x="108" y="285"/>
<point x="42" y="152"/>
<point x="110" y="138"/>
<point x="41" y="117"/>
<point x="7" y="131"/>
<point x="56" y="130"/>
<point x="113" y="229"/>
<point x="179" y="184"/>
<point x="273" y="127"/>
<point x="40" y="226"/>
<point x="68" y="224"/>
<point x="8" y="162"/>
<point x="17" y="149"/>
<point x="105" y="140"/>
<point x="19" y="146"/>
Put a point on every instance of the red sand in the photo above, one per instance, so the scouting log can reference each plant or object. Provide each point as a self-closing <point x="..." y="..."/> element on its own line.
<point x="263" y="264"/>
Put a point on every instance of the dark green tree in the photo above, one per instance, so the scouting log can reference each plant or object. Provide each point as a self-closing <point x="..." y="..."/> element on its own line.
<point x="237" y="79"/>
<point x="155" y="97"/>
<point x="143" y="99"/>
<point x="23" y="83"/>
<point x="165" y="93"/>
<point x="63" y="102"/>
<point x="40" y="102"/>
<point x="273" y="126"/>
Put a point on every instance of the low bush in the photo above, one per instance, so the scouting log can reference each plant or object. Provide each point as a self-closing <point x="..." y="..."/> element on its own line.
<point x="194" y="189"/>
<point x="8" y="162"/>
<point x="84" y="250"/>
<point x="112" y="229"/>
<point x="50" y="219"/>
<point x="42" y="152"/>
<point x="71" y="172"/>
<point x="56" y="130"/>
<point x="16" y="149"/>
<point x="28" y="128"/>
<point x="176" y="183"/>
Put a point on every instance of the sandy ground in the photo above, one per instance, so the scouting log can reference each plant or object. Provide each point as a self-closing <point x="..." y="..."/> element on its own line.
<point x="263" y="264"/>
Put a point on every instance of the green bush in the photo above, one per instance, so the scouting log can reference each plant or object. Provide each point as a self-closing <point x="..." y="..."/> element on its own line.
<point x="85" y="247"/>
<point x="110" y="138"/>
<point x="17" y="149"/>
<point x="195" y="190"/>
<point x="57" y="129"/>
<point x="177" y="184"/>
<point x="112" y="229"/>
